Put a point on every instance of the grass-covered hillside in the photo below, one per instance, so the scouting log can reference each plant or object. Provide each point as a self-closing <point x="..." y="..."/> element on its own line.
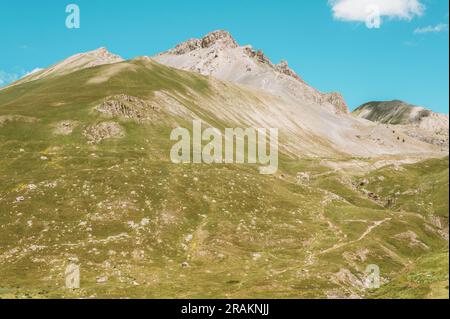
<point x="86" y="178"/>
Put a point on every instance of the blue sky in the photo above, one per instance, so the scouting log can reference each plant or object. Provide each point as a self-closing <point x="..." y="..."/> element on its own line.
<point x="326" y="42"/>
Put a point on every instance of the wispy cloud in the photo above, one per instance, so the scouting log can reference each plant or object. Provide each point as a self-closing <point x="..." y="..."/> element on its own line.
<point x="7" y="77"/>
<point x="372" y="11"/>
<point x="441" y="27"/>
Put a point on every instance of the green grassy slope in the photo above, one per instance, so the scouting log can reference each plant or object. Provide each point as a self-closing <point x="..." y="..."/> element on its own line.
<point x="422" y="187"/>
<point x="143" y="227"/>
<point x="427" y="278"/>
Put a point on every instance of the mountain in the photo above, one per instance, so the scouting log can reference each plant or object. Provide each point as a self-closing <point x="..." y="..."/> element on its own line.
<point x="310" y="128"/>
<point x="414" y="121"/>
<point x="319" y="121"/>
<point x="217" y="54"/>
<point x="400" y="113"/>
<point x="77" y="62"/>
<point x="87" y="179"/>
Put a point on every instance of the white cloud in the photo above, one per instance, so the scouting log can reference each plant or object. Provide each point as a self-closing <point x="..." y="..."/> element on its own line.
<point x="432" y="29"/>
<point x="372" y="11"/>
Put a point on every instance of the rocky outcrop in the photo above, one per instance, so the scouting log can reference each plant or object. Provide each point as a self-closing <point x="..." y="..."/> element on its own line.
<point x="221" y="39"/>
<point x="102" y="56"/>
<point x="188" y="46"/>
<point x="106" y="130"/>
<point x="284" y="68"/>
<point x="337" y="100"/>
<point x="258" y="56"/>
<point x="128" y="107"/>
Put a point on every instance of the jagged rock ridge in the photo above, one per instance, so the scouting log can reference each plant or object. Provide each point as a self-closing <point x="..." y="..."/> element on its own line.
<point x="219" y="55"/>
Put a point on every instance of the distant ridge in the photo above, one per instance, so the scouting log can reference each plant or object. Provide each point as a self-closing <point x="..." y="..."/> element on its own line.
<point x="417" y="121"/>
<point x="100" y="56"/>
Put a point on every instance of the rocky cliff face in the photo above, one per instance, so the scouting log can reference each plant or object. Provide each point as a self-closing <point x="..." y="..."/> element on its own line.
<point x="219" y="55"/>
<point x="220" y="39"/>
<point x="338" y="101"/>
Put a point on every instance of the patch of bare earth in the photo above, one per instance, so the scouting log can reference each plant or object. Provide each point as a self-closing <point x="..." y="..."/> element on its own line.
<point x="16" y="118"/>
<point x="110" y="72"/>
<point x="65" y="127"/>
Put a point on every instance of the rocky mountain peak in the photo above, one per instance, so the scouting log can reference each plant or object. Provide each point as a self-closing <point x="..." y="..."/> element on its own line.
<point x="217" y="54"/>
<point x="220" y="39"/>
<point x="101" y="50"/>
<point x="103" y="55"/>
